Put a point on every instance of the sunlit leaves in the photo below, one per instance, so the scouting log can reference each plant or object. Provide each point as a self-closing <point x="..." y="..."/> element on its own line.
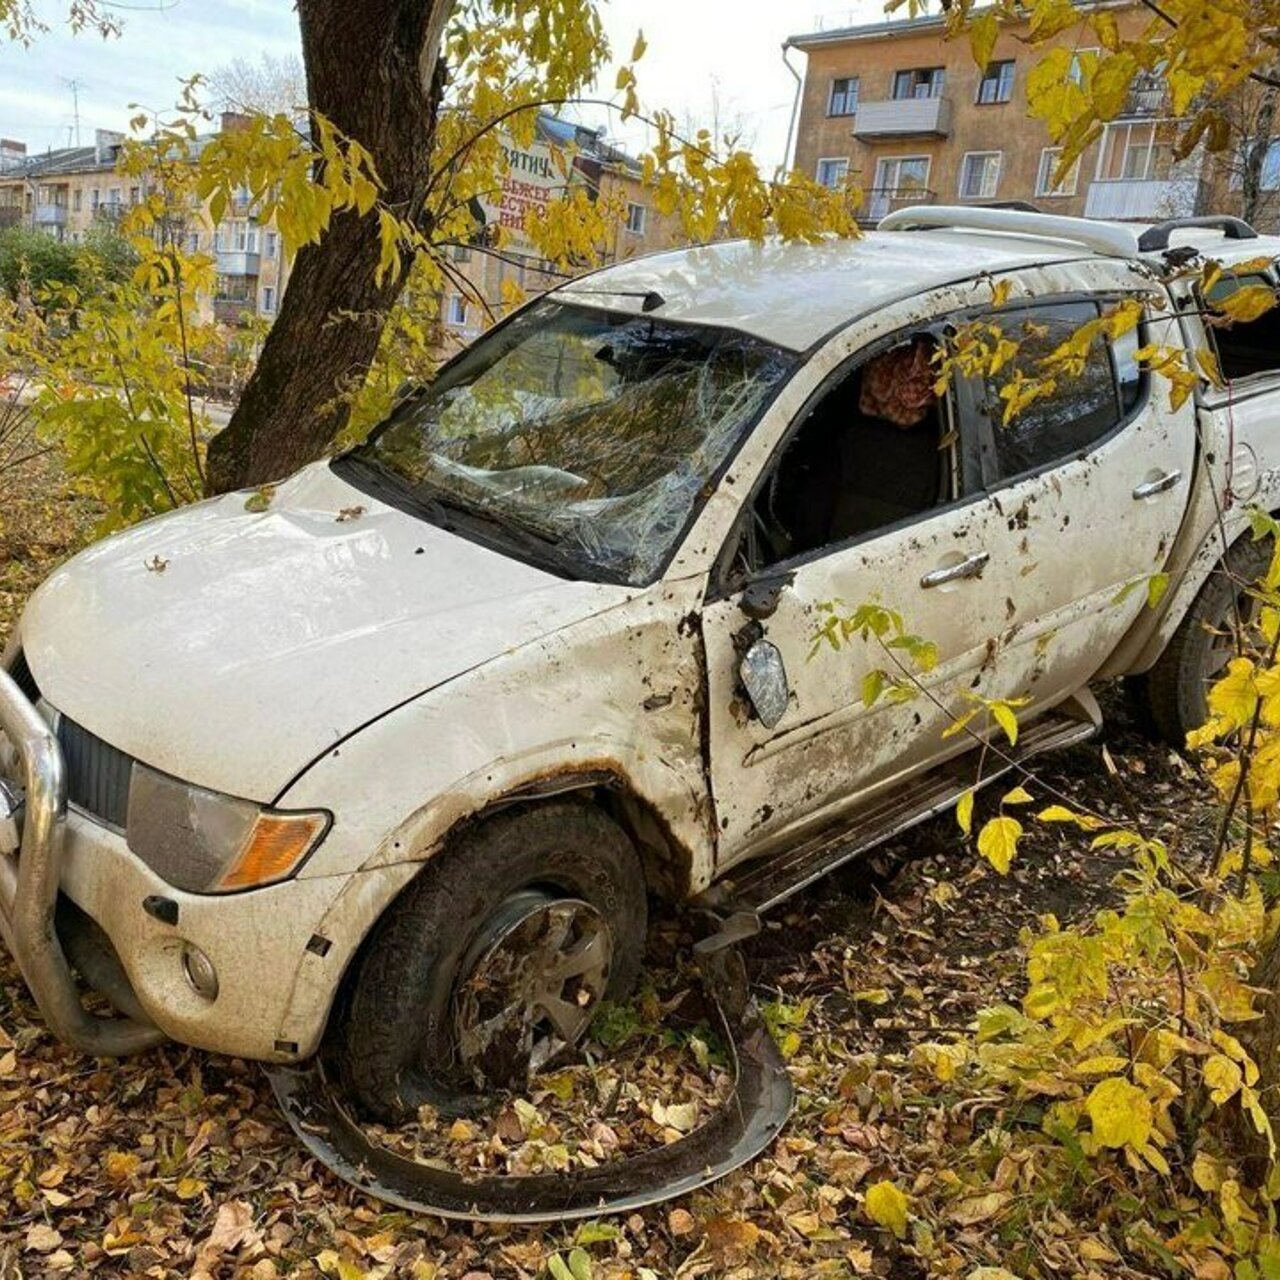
<point x="1120" y="1114"/>
<point x="887" y="1206"/>
<point x="998" y="842"/>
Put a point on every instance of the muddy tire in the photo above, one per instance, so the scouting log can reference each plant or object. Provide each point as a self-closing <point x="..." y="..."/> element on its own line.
<point x="1172" y="698"/>
<point x="540" y="910"/>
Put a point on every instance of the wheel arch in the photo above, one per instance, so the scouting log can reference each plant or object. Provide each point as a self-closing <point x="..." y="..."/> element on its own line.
<point x="667" y="864"/>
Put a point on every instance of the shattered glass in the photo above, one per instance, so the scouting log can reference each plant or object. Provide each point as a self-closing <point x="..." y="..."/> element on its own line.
<point x="595" y="433"/>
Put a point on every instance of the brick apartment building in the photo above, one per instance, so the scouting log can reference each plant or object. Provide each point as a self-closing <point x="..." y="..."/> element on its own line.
<point x="907" y="116"/>
<point x="65" y="192"/>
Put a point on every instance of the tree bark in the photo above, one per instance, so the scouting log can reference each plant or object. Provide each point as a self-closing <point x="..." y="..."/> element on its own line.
<point x="1256" y="155"/>
<point x="374" y="70"/>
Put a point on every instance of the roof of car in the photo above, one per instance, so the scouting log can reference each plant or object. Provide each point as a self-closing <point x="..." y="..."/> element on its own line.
<point x="794" y="294"/>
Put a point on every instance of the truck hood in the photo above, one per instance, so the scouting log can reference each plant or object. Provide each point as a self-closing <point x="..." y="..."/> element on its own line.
<point x="230" y="648"/>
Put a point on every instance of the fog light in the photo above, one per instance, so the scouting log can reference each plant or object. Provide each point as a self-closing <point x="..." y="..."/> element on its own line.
<point x="200" y="971"/>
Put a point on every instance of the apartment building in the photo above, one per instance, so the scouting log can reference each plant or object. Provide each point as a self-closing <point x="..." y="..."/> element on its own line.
<point x="66" y="192"/>
<point x="908" y="117"/>
<point x="562" y="157"/>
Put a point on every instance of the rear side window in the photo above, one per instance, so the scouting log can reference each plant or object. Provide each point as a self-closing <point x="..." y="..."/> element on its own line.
<point x="1245" y="347"/>
<point x="1078" y="412"/>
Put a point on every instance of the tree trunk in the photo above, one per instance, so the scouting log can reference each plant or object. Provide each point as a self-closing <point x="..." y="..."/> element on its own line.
<point x="373" y="69"/>
<point x="1261" y="1038"/>
<point x="1256" y="155"/>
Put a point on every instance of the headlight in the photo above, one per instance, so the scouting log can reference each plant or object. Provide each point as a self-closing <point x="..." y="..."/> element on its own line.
<point x="206" y="842"/>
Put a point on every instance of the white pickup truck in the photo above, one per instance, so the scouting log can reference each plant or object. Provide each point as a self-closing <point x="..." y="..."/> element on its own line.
<point x="393" y="756"/>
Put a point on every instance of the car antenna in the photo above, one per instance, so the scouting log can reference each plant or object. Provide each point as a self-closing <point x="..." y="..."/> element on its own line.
<point x="652" y="298"/>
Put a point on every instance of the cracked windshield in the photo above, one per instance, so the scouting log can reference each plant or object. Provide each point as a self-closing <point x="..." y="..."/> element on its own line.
<point x="586" y="434"/>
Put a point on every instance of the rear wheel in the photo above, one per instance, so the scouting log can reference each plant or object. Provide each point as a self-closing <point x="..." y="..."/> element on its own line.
<point x="493" y="962"/>
<point x="1220" y="623"/>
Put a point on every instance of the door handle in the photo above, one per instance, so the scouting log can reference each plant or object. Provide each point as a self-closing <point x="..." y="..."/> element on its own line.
<point x="1162" y="484"/>
<point x="970" y="567"/>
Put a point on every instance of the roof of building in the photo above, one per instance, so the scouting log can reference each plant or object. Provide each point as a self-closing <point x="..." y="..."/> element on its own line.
<point x="795" y="295"/>
<point x="891" y="27"/>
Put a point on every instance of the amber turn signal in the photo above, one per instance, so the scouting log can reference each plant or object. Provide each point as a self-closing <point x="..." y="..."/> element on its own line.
<point x="276" y="845"/>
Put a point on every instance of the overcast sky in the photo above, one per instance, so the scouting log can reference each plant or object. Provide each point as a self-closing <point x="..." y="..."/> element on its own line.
<point x="699" y="50"/>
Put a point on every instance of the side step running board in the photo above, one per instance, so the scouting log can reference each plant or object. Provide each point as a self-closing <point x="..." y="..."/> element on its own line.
<point x="762" y="885"/>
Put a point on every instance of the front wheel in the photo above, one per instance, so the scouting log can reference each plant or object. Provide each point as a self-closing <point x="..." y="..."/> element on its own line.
<point x="493" y="962"/>
<point x="1174" y="694"/>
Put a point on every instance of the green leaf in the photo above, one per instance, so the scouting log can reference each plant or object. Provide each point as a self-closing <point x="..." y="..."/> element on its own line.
<point x="1157" y="585"/>
<point x="872" y="687"/>
<point x="596" y="1233"/>
<point x="580" y="1264"/>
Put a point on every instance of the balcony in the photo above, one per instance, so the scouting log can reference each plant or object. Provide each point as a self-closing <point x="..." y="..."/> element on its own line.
<point x="903" y="118"/>
<point x="232" y="310"/>
<point x="50" y="215"/>
<point x="878" y="202"/>
<point x="238" y="262"/>
<point x="1144" y="199"/>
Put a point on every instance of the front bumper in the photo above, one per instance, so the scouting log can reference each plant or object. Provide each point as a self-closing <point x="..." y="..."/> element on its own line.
<point x="279" y="952"/>
<point x="29" y="890"/>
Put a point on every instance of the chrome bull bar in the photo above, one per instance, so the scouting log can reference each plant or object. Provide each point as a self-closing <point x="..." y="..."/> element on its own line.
<point x="29" y="890"/>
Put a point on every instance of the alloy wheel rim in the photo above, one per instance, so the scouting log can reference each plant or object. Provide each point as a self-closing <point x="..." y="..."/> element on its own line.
<point x="529" y="986"/>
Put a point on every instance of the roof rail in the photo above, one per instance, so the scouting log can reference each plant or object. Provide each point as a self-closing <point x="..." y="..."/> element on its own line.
<point x="1156" y="238"/>
<point x="1102" y="237"/>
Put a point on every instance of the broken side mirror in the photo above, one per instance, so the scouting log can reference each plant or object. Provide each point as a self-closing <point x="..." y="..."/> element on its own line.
<point x="764" y="676"/>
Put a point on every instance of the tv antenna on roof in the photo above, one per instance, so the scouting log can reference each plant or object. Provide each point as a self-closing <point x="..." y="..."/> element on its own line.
<point x="74" y="86"/>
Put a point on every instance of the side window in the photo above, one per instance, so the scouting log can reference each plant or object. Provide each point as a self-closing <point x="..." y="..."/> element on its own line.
<point x="1245" y="347"/>
<point x="877" y="448"/>
<point x="1078" y="412"/>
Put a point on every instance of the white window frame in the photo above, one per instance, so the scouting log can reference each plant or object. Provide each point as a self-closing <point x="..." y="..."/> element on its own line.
<point x="456" y="311"/>
<point x="1076" y="54"/>
<point x="856" y="81"/>
<point x="964" y="166"/>
<point x="1012" y="64"/>
<point x="1044" y="175"/>
<point x="637" y="217"/>
<point x="832" y="160"/>
<point x="268" y="299"/>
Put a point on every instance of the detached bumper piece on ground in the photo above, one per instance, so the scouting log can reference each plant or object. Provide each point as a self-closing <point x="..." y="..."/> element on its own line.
<point x="736" y="1132"/>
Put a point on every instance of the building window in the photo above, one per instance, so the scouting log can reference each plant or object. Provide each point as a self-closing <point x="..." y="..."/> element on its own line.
<point x="113" y="196"/>
<point x="95" y="199"/>
<point x="1083" y="61"/>
<point x="919" y="82"/>
<point x="996" y="84"/>
<point x="1049" y="158"/>
<point x="135" y="194"/>
<point x="456" y="314"/>
<point x="77" y="198"/>
<point x="980" y="175"/>
<point x="460" y="252"/>
<point x="193" y="242"/>
<point x="1270" y="180"/>
<point x="270" y="244"/>
<point x="268" y="299"/>
<point x="844" y="97"/>
<point x="635" y="219"/>
<point x="833" y="173"/>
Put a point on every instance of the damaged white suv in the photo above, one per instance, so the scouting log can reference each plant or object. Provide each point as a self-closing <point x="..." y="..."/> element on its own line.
<point x="394" y="756"/>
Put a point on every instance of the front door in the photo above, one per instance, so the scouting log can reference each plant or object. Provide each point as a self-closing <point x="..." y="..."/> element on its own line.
<point x="1011" y="560"/>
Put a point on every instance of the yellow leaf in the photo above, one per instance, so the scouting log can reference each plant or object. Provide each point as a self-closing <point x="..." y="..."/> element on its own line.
<point x="1223" y="1077"/>
<point x="964" y="812"/>
<point x="872" y="995"/>
<point x="1006" y="719"/>
<point x="1247" y="304"/>
<point x="1019" y="795"/>
<point x="1060" y="813"/>
<point x="998" y="842"/>
<point x="1120" y="1114"/>
<point x="641" y="45"/>
<point x="983" y="32"/>
<point x="886" y="1206"/>
<point x="1235" y="696"/>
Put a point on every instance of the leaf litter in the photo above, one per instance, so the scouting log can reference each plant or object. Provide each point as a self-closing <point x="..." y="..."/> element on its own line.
<point x="176" y="1164"/>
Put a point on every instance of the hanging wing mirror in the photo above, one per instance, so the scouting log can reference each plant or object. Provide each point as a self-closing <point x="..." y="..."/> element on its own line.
<point x="764" y="676"/>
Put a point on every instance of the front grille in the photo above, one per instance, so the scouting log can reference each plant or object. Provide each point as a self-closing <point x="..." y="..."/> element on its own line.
<point x="97" y="773"/>
<point x="22" y="677"/>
